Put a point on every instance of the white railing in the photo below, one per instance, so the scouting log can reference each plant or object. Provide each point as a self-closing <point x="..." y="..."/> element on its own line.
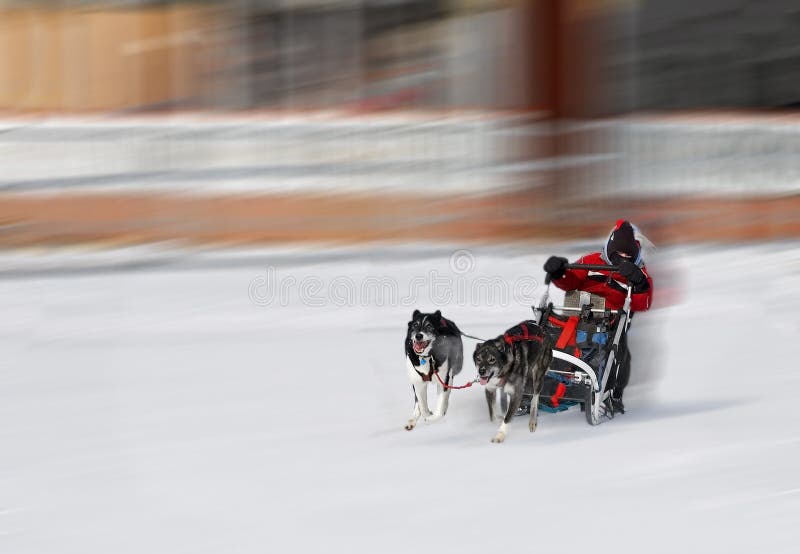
<point x="423" y="154"/>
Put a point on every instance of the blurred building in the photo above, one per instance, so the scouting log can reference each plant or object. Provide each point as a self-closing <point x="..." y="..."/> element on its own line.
<point x="76" y="56"/>
<point x="585" y="57"/>
<point x="79" y="56"/>
<point x="718" y="53"/>
<point x="543" y="110"/>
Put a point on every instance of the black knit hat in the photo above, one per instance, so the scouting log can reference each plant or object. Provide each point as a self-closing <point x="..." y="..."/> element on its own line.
<point x="622" y="239"/>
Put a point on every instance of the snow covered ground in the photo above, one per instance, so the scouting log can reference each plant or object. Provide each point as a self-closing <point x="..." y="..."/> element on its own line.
<point x="177" y="406"/>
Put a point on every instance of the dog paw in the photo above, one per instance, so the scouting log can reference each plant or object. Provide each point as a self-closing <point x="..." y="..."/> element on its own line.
<point x="410" y="425"/>
<point x="499" y="437"/>
<point x="433" y="417"/>
<point x="532" y="426"/>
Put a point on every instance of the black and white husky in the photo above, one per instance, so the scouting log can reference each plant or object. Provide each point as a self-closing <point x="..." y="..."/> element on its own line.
<point x="433" y="346"/>
<point x="516" y="363"/>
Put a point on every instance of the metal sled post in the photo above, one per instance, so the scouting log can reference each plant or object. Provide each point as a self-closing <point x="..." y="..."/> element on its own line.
<point x="600" y="395"/>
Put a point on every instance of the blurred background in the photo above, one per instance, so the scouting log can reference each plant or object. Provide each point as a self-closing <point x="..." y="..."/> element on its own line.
<point x="267" y="121"/>
<point x="167" y="166"/>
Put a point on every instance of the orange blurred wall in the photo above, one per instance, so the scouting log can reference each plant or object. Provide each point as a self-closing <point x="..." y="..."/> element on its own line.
<point x="75" y="60"/>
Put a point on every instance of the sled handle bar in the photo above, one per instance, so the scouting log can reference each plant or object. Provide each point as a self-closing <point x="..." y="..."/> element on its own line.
<point x="587" y="267"/>
<point x="593" y="310"/>
<point x="593" y="267"/>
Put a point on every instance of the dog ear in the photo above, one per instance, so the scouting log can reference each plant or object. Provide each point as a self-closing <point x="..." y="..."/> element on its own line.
<point x="437" y="314"/>
<point x="416" y="314"/>
<point x="500" y="343"/>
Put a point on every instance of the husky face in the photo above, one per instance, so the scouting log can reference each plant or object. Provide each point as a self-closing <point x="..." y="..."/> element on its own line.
<point x="422" y="331"/>
<point x="491" y="360"/>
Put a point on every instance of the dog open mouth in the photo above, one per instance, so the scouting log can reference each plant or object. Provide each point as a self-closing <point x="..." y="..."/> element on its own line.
<point x="420" y="346"/>
<point x="483" y="380"/>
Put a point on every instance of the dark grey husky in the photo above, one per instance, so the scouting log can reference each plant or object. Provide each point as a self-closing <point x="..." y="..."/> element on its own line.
<point x="515" y="363"/>
<point x="433" y="346"/>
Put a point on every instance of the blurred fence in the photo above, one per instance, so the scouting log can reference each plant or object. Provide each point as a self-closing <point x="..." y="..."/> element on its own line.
<point x="412" y="177"/>
<point x="415" y="154"/>
<point x="406" y="153"/>
<point x="712" y="154"/>
<point x="715" y="154"/>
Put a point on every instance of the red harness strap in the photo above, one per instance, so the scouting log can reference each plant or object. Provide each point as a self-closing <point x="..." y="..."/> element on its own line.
<point x="445" y="385"/>
<point x="567" y="336"/>
<point x="567" y="333"/>
<point x="561" y="390"/>
<point x="525" y="335"/>
<point x="427" y="377"/>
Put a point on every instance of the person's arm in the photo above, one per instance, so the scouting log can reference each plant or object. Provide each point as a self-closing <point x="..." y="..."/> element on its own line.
<point x="642" y="294"/>
<point x="640" y="301"/>
<point x="573" y="278"/>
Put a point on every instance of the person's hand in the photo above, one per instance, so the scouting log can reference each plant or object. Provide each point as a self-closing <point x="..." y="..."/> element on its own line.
<point x="632" y="273"/>
<point x="555" y="267"/>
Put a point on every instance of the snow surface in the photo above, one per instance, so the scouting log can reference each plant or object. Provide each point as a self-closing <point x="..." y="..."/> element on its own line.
<point x="158" y="409"/>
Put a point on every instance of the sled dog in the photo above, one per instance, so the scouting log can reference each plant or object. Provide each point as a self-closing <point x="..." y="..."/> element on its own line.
<point x="434" y="353"/>
<point x="515" y="363"/>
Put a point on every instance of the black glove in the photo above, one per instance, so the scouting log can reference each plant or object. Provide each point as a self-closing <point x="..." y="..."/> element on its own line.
<point x="632" y="273"/>
<point x="555" y="267"/>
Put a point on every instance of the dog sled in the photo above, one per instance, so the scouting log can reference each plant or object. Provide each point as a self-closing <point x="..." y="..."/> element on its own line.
<point x="590" y="348"/>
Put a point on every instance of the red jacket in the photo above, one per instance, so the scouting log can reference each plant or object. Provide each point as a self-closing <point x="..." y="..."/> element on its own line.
<point x="606" y="284"/>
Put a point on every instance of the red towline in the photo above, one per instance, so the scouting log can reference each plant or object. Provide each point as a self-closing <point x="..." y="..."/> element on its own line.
<point x="445" y="385"/>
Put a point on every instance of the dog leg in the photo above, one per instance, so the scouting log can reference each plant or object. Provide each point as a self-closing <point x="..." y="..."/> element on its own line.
<point x="445" y="401"/>
<point x="426" y="412"/>
<point x="412" y="421"/>
<point x="441" y="406"/>
<point x="490" y="397"/>
<point x="513" y="406"/>
<point x="441" y="400"/>
<point x="534" y="413"/>
<point x="501" y="433"/>
<point x="420" y="404"/>
<point x="420" y="396"/>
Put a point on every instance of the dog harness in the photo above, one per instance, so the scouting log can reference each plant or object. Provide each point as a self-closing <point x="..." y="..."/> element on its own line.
<point x="521" y="332"/>
<point x="426" y="377"/>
